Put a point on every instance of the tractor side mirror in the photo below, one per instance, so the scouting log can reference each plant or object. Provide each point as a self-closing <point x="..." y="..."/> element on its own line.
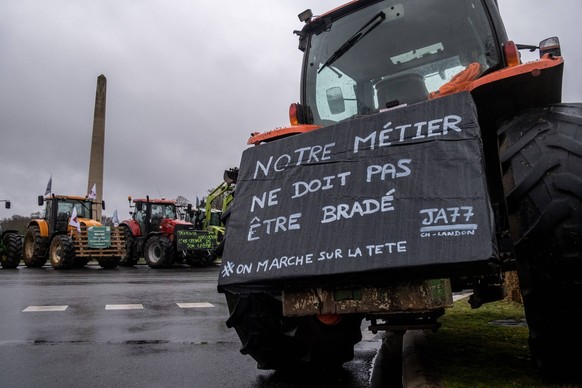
<point x="138" y="206"/>
<point x="103" y="205"/>
<point x="335" y="100"/>
<point x="189" y="208"/>
<point x="7" y="204"/>
<point x="40" y="200"/>
<point x="550" y="46"/>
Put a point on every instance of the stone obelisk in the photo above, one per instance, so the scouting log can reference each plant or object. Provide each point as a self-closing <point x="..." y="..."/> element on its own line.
<point x="98" y="143"/>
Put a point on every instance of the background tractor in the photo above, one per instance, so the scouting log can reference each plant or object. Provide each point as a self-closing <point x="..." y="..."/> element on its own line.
<point x="151" y="233"/>
<point x="211" y="217"/>
<point x="422" y="150"/>
<point x="10" y="245"/>
<point x="156" y="232"/>
<point x="69" y="236"/>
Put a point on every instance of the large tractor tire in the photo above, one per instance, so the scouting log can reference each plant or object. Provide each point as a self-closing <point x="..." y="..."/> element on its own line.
<point x="35" y="248"/>
<point x="62" y="252"/>
<point x="541" y="155"/>
<point x="159" y="252"/>
<point x="130" y="257"/>
<point x="285" y="343"/>
<point x="12" y="254"/>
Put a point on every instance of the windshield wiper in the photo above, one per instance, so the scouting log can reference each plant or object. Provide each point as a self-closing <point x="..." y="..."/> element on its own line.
<point x="84" y="205"/>
<point x="365" y="30"/>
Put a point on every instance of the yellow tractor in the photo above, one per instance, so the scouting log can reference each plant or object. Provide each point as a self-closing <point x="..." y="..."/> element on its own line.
<point x="69" y="235"/>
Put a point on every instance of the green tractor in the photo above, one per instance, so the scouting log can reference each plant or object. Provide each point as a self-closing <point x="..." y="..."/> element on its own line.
<point x="207" y="239"/>
<point x="10" y="245"/>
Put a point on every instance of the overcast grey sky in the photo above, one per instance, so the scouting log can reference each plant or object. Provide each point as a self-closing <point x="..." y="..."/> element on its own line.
<point x="187" y="82"/>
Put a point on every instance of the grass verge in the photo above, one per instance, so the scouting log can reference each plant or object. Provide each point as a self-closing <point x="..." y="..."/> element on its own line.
<point x="481" y="348"/>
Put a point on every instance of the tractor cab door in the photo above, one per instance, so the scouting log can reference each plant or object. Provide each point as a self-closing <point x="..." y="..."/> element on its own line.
<point x="63" y="213"/>
<point x="141" y="217"/>
<point x="157" y="213"/>
<point x="50" y="215"/>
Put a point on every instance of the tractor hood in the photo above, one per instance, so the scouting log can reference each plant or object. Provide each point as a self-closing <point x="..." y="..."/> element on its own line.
<point x="89" y="222"/>
<point x="83" y="222"/>
<point x="168" y="225"/>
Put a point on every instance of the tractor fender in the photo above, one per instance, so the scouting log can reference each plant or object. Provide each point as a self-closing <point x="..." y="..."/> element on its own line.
<point x="133" y="227"/>
<point x="150" y="235"/>
<point x="55" y="234"/>
<point x="168" y="226"/>
<point x="42" y="226"/>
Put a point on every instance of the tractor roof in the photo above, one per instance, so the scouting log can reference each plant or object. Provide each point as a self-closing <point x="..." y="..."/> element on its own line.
<point x="162" y="201"/>
<point x="67" y="197"/>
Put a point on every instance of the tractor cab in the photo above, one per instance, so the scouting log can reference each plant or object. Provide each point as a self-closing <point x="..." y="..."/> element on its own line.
<point x="202" y="221"/>
<point x="59" y="209"/>
<point x="358" y="63"/>
<point x="369" y="56"/>
<point x="392" y="53"/>
<point x="149" y="213"/>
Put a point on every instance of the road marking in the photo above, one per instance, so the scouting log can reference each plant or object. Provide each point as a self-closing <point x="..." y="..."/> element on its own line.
<point x="123" y="307"/>
<point x="194" y="305"/>
<point x="117" y="307"/>
<point x="44" y="308"/>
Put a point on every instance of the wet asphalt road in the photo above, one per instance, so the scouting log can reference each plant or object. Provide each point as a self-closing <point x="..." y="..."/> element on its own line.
<point x="136" y="327"/>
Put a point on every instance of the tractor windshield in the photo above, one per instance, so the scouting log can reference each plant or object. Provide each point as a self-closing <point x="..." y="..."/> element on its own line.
<point x="82" y="208"/>
<point x="163" y="210"/>
<point x="391" y="53"/>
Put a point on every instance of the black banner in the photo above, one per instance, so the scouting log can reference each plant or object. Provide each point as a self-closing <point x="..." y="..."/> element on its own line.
<point x="195" y="239"/>
<point x="401" y="188"/>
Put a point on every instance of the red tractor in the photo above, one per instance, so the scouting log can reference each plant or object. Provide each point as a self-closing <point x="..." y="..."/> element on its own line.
<point x="151" y="234"/>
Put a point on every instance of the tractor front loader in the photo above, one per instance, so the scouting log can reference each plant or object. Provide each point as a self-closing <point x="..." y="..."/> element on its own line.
<point x="208" y="238"/>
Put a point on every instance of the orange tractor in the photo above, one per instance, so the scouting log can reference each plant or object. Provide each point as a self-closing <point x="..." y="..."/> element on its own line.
<point x="422" y="151"/>
<point x="69" y="236"/>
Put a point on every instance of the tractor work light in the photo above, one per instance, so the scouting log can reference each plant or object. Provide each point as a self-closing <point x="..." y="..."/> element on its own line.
<point x="305" y="15"/>
<point x="295" y="113"/>
<point x="511" y="54"/>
